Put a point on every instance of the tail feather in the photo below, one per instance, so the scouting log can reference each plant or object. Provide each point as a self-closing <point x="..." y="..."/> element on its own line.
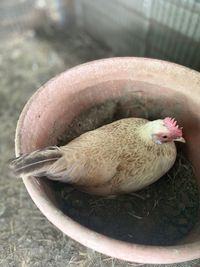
<point x="36" y="163"/>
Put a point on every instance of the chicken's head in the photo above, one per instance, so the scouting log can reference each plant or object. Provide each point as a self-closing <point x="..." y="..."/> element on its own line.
<point x="166" y="130"/>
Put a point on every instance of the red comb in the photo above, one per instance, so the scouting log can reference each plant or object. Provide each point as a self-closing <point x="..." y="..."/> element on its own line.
<point x="171" y="124"/>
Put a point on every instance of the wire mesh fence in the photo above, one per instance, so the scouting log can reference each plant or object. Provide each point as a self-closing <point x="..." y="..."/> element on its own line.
<point x="164" y="29"/>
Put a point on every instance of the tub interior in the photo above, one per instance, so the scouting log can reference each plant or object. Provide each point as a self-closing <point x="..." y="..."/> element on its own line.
<point x="74" y="114"/>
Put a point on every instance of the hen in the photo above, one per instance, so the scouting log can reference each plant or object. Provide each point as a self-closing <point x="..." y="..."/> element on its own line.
<point x="121" y="157"/>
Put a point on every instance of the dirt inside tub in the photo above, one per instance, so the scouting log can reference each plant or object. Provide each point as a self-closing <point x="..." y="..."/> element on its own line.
<point x="160" y="214"/>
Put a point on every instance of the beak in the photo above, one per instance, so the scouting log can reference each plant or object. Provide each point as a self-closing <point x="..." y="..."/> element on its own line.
<point x="180" y="139"/>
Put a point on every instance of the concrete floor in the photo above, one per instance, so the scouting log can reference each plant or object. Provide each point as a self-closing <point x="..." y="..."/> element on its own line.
<point x="26" y="236"/>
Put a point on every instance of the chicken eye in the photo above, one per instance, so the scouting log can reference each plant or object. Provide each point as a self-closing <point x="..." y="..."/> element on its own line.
<point x="164" y="136"/>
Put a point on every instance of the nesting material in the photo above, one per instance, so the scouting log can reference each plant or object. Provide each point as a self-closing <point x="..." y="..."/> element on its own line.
<point x="160" y="214"/>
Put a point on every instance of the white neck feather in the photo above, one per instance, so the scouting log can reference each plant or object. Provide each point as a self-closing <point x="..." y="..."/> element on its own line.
<point x="146" y="131"/>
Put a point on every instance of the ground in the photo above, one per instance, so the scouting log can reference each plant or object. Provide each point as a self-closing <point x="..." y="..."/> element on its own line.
<point x="27" y="238"/>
